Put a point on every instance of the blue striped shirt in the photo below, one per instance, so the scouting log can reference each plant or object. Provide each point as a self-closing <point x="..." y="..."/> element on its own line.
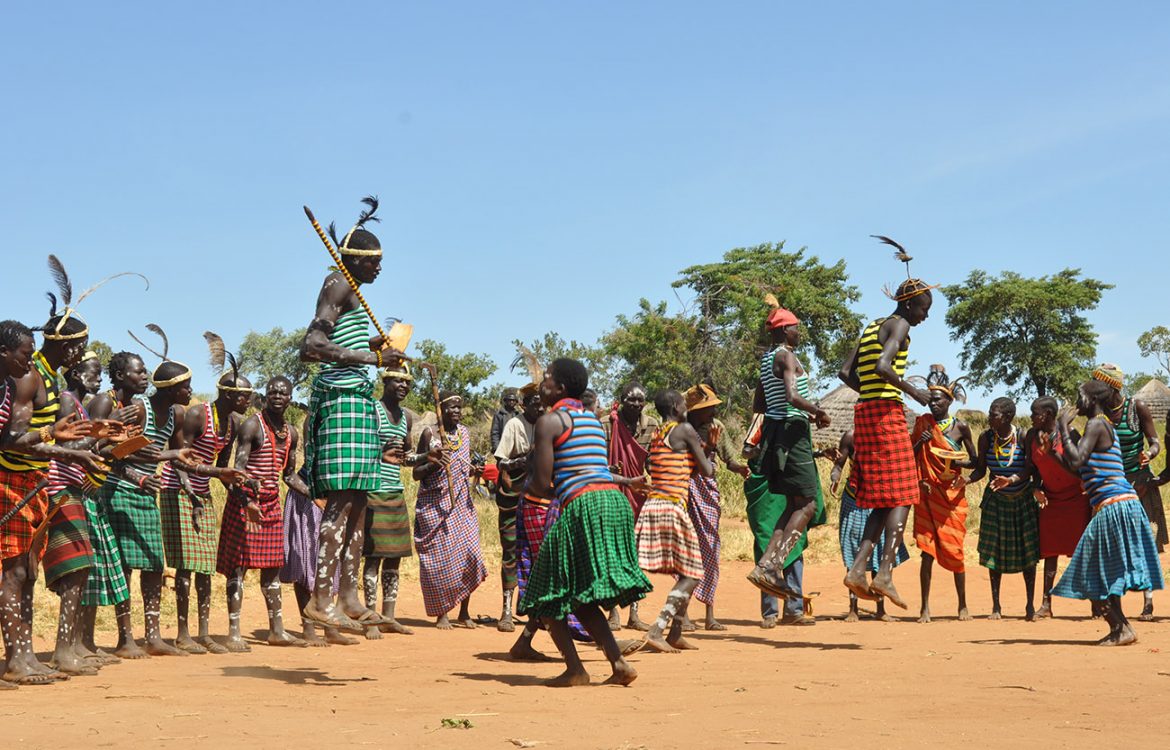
<point x="580" y="457"/>
<point x="1005" y="465"/>
<point x="1103" y="475"/>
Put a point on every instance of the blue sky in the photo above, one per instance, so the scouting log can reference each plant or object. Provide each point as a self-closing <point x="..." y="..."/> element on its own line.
<point x="528" y="154"/>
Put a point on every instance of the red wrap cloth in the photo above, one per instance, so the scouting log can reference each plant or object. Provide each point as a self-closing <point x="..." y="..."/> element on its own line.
<point x="883" y="457"/>
<point x="627" y="456"/>
<point x="16" y="535"/>
<point x="1064" y="519"/>
<point x="940" y="518"/>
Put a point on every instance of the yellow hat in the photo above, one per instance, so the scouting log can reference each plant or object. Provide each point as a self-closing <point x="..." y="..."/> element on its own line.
<point x="701" y="396"/>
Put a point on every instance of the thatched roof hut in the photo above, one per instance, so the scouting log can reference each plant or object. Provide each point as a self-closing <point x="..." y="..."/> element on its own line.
<point x="1156" y="395"/>
<point x="839" y="404"/>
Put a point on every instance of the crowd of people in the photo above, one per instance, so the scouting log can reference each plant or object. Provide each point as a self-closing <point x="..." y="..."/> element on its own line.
<point x="96" y="484"/>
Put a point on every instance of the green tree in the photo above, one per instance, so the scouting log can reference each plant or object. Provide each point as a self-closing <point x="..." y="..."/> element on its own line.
<point x="102" y="349"/>
<point x="655" y="348"/>
<point x="552" y="346"/>
<point x="1028" y="334"/>
<point x="1156" y="343"/>
<point x="463" y="373"/>
<point x="265" y="355"/>
<point x="1136" y="381"/>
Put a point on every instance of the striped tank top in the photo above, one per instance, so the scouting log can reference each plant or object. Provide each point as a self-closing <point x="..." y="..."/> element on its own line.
<point x="580" y="458"/>
<point x="1103" y="475"/>
<point x="63" y="474"/>
<point x="1007" y="460"/>
<point x="207" y="446"/>
<point x="352" y="331"/>
<point x="6" y="403"/>
<point x="389" y="432"/>
<point x="266" y="463"/>
<point x="158" y="436"/>
<point x="45" y="416"/>
<point x="776" y="401"/>
<point x="869" y="350"/>
<point x="1130" y="437"/>
<point x="670" y="470"/>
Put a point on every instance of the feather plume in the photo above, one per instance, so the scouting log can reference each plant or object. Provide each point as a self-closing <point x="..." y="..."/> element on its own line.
<point x="157" y="330"/>
<point x="235" y="365"/>
<point x="144" y="346"/>
<point x="368" y="214"/>
<point x="61" y="279"/>
<point x="333" y="234"/>
<point x="218" y="352"/>
<point x="899" y="251"/>
<point x="531" y="363"/>
<point x="52" y="304"/>
<point x="101" y="283"/>
<point x="771" y="301"/>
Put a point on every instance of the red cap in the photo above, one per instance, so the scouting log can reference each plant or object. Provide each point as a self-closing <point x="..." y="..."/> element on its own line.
<point x="779" y="317"/>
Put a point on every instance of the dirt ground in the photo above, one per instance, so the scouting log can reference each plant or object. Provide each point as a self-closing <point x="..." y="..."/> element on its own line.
<point x="1008" y="684"/>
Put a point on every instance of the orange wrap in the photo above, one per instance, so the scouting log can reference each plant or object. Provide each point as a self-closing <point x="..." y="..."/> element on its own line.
<point x="940" y="518"/>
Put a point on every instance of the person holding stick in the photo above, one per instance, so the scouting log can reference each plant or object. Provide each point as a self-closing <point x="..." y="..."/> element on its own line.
<point x="343" y="453"/>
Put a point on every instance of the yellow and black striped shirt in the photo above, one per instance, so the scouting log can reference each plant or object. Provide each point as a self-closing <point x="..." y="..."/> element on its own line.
<point x="45" y="416"/>
<point x="869" y="350"/>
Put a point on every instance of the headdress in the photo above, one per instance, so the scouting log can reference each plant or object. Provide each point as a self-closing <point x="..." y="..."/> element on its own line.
<point x="185" y="375"/>
<point x="911" y="287"/>
<point x="89" y="355"/>
<point x="779" y="317"/>
<point x="701" y="396"/>
<point x="229" y="379"/>
<point x="65" y="289"/>
<point x="535" y="370"/>
<point x="938" y="380"/>
<point x="365" y="216"/>
<point x="402" y="372"/>
<point x="446" y="395"/>
<point x="1110" y="375"/>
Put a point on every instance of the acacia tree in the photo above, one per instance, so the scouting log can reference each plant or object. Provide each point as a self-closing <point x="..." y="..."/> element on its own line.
<point x="462" y="373"/>
<point x="1156" y="343"/>
<point x="552" y="346"/>
<point x="276" y="352"/>
<point x="1026" y="333"/>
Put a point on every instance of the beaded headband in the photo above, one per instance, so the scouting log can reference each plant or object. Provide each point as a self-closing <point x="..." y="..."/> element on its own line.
<point x="365" y="216"/>
<point x="1110" y="375"/>
<point x="158" y="331"/>
<point x="398" y="375"/>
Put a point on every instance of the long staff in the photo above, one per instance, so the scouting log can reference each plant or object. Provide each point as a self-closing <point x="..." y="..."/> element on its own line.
<point x="345" y="272"/>
<point x="439" y="419"/>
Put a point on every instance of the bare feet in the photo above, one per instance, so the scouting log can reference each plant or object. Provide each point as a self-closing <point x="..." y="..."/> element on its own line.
<point x="159" y="647"/>
<point x="525" y="652"/>
<point x="852" y="616"/>
<point x="924" y="616"/>
<point x="69" y="663"/>
<point x="769" y="622"/>
<point x="236" y="645"/>
<point x="466" y="622"/>
<point x="688" y="625"/>
<point x="659" y="644"/>
<point x="315" y="641"/>
<point x="1147" y="614"/>
<point x="884" y="617"/>
<point x="506" y="624"/>
<point x="1030" y="614"/>
<point x="713" y="624"/>
<point x="373" y="633"/>
<point x="1126" y="636"/>
<point x="130" y="650"/>
<point x="634" y="623"/>
<point x="995" y="615"/>
<point x="682" y="644"/>
<point x="1045" y="611"/>
<point x="335" y="637"/>
<point x="860" y="587"/>
<point x="285" y="638"/>
<point x="615" y="619"/>
<point x="569" y="679"/>
<point x="965" y="615"/>
<point x="883" y="585"/>
<point x="394" y="626"/>
<point x="623" y="674"/>
<point x="442" y="623"/>
<point x="212" y="646"/>
<point x="190" y="646"/>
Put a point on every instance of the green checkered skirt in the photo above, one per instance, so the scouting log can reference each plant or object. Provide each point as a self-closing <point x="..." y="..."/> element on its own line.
<point x="342" y="450"/>
<point x="134" y="517"/>
<point x="1009" y="531"/>
<point x="588" y="557"/>
<point x="106" y="585"/>
<point x="188" y="548"/>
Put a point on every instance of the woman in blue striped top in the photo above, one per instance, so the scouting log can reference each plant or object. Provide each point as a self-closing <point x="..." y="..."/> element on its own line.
<point x="1117" y="552"/>
<point x="588" y="560"/>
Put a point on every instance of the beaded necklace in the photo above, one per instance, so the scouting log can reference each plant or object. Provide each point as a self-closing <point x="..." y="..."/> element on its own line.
<point x="1005" y="450"/>
<point x="452" y="443"/>
<point x="946" y="424"/>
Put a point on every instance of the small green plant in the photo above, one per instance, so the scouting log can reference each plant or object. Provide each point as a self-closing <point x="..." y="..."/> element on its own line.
<point x="457" y="724"/>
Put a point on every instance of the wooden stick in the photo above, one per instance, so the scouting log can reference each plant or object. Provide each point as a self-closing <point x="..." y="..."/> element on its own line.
<point x="345" y="272"/>
<point x="24" y="501"/>
<point x="439" y="419"/>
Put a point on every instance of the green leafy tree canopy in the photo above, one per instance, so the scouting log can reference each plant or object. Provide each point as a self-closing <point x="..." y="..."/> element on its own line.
<point x="277" y="352"/>
<point x="1156" y="343"/>
<point x="463" y="373"/>
<point x="1028" y="334"/>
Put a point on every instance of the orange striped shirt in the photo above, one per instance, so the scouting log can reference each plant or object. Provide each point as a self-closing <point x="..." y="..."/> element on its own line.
<point x="670" y="470"/>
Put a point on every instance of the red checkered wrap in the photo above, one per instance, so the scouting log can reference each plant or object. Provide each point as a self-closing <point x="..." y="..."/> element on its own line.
<point x="250" y="547"/>
<point x="883" y="457"/>
<point x="16" y="535"/>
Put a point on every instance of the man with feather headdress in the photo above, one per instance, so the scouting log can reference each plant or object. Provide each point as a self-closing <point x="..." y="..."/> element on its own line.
<point x="342" y="450"/>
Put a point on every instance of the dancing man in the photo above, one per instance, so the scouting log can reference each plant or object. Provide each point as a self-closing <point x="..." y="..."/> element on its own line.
<point x="512" y="457"/>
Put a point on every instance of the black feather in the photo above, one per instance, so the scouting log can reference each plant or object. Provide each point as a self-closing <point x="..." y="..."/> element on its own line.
<point x="333" y="234"/>
<point x="231" y="358"/>
<point x="156" y="329"/>
<point x="52" y="304"/>
<point x="144" y="346"/>
<point x="368" y="215"/>
<point x="61" y="279"/>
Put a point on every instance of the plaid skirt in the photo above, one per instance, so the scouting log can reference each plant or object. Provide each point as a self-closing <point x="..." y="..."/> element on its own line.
<point x="342" y="449"/>
<point x="446" y="537"/>
<point x="16" y="535"/>
<point x="1116" y="554"/>
<point x="246" y="547"/>
<point x="68" y="550"/>
<point x="106" y="584"/>
<point x="136" y="523"/>
<point x="705" y="509"/>
<point x="667" y="540"/>
<point x="883" y="458"/>
<point x="1009" y="531"/>
<point x="188" y="548"/>
<point x="387" y="526"/>
<point x="588" y="558"/>
<point x="302" y="532"/>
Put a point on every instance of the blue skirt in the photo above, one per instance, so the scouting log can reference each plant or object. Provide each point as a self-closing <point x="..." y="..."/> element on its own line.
<point x="1116" y="554"/>
<point x="851" y="527"/>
